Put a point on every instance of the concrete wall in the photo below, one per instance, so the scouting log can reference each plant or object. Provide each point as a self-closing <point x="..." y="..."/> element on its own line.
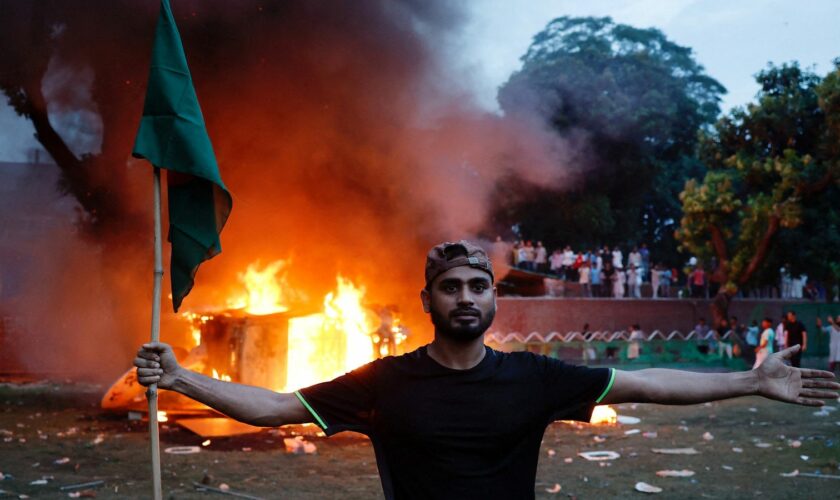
<point x="543" y="315"/>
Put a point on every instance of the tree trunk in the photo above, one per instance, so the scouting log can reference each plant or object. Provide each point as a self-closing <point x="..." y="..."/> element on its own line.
<point x="719" y="307"/>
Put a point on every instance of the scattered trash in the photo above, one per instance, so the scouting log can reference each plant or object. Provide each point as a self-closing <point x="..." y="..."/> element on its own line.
<point x="675" y="473"/>
<point x="599" y="439"/>
<point x="727" y="467"/>
<point x="224" y="491"/>
<point x="650" y="435"/>
<point x="597" y="456"/>
<point x="790" y="474"/>
<point x="628" y="420"/>
<point x="738" y="450"/>
<point x="804" y="457"/>
<point x="821" y="476"/>
<point x="683" y="428"/>
<point x="551" y="453"/>
<point x="822" y="413"/>
<point x="298" y="446"/>
<point x="647" y="488"/>
<point x="62" y="461"/>
<point x="246" y="448"/>
<point x="78" y="486"/>
<point x="206" y="442"/>
<point x="753" y="410"/>
<point x="676" y="451"/>
<point x="795" y="443"/>
<point x="763" y="445"/>
<point x="568" y="460"/>
<point x="99" y="438"/>
<point x="82" y="494"/>
<point x="707" y="436"/>
<point x="631" y="432"/>
<point x="554" y="489"/>
<point x="182" y="450"/>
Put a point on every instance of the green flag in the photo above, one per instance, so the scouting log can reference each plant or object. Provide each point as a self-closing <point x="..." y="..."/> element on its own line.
<point x="172" y="135"/>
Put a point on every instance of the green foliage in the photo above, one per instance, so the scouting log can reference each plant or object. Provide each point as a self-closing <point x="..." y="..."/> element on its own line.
<point x="771" y="164"/>
<point x="639" y="99"/>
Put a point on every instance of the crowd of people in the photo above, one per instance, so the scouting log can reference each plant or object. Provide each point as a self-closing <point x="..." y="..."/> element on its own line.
<point x="602" y="272"/>
<point x="761" y="339"/>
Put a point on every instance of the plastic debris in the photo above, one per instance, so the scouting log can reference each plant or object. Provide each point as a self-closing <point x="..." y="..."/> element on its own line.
<point x="598" y="456"/>
<point x="551" y="453"/>
<point x="99" y="438"/>
<point x="795" y="443"/>
<point x="727" y="467"/>
<point x="628" y="420"/>
<point x="182" y="450"/>
<point x="38" y="482"/>
<point x="676" y="451"/>
<point x="224" y="487"/>
<point x="554" y="489"/>
<point x="298" y="446"/>
<point x="753" y="410"/>
<point x="82" y="494"/>
<point x="683" y="428"/>
<point x="599" y="439"/>
<point x="62" y="461"/>
<point x="647" y="488"/>
<point x="763" y="445"/>
<point x="568" y="460"/>
<point x="804" y="457"/>
<point x="650" y="435"/>
<point x="708" y="436"/>
<point x="790" y="474"/>
<point x="631" y="432"/>
<point x="675" y="473"/>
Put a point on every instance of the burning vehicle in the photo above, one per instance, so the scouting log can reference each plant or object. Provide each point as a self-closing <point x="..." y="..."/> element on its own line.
<point x="269" y="335"/>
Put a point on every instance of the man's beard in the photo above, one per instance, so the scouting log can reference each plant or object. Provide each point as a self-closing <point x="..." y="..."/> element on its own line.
<point x="462" y="333"/>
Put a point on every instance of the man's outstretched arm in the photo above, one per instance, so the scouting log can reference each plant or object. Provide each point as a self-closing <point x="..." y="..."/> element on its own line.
<point x="773" y="380"/>
<point x="156" y="364"/>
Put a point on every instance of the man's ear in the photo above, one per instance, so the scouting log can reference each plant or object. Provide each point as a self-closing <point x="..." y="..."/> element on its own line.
<point x="426" y="298"/>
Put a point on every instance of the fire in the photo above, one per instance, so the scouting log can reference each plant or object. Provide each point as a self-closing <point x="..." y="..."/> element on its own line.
<point x="162" y="416"/>
<point x="604" y="415"/>
<point x="196" y="320"/>
<point x="324" y="345"/>
<point x="223" y="377"/>
<point x="266" y="289"/>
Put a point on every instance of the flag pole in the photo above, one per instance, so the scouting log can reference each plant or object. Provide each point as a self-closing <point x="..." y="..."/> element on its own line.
<point x="152" y="393"/>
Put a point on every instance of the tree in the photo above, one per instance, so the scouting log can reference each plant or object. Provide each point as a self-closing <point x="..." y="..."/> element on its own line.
<point x="639" y="100"/>
<point x="770" y="165"/>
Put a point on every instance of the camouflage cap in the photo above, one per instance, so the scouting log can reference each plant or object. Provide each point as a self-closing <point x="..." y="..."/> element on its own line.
<point x="445" y="256"/>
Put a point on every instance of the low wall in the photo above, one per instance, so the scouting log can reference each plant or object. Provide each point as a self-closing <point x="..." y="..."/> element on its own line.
<point x="545" y="315"/>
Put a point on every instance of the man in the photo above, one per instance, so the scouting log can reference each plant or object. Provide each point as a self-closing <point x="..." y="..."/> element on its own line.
<point x="456" y="419"/>
<point x="795" y="334"/>
<point x="541" y="258"/>
<point x="765" y="345"/>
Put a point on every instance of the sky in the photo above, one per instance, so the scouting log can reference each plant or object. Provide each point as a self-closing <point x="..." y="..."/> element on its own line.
<point x="732" y="40"/>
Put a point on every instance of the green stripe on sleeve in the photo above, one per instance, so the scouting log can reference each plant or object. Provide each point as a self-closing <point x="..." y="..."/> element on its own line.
<point x="606" y="389"/>
<point x="314" y="413"/>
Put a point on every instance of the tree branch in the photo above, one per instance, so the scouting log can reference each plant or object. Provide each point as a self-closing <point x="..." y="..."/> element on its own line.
<point x="761" y="250"/>
<point x="719" y="244"/>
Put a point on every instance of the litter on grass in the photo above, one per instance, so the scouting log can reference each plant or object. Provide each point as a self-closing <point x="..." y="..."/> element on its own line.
<point x="647" y="488"/>
<point x="598" y="456"/>
<point x="676" y="451"/>
<point x="675" y="473"/>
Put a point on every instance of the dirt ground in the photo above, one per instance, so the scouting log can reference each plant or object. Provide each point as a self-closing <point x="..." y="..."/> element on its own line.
<point x="57" y="434"/>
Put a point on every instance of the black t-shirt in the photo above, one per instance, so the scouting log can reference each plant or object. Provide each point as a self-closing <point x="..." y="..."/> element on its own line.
<point x="794" y="332"/>
<point x="444" y="433"/>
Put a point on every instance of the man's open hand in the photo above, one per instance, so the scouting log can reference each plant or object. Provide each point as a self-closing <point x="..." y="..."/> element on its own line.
<point x="156" y="364"/>
<point x="781" y="382"/>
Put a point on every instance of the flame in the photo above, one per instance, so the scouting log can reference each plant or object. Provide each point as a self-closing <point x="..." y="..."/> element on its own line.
<point x="266" y="289"/>
<point x="162" y="416"/>
<point x="223" y="377"/>
<point x="325" y="345"/>
<point x="603" y="415"/>
<point x="196" y="320"/>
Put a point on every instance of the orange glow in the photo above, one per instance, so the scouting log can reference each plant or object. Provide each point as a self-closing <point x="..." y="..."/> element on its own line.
<point x="325" y="345"/>
<point x="604" y="415"/>
<point x="223" y="377"/>
<point x="196" y="320"/>
<point x="162" y="416"/>
<point x="266" y="289"/>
